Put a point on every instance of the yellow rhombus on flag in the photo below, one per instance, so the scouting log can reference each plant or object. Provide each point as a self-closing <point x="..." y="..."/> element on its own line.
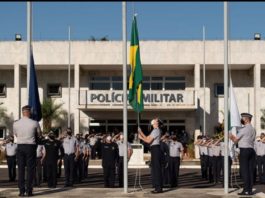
<point x="136" y="76"/>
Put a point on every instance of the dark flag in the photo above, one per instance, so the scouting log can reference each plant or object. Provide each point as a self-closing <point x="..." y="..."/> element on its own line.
<point x="34" y="99"/>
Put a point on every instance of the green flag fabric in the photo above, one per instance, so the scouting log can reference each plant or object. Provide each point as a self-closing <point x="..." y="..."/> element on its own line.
<point x="136" y="76"/>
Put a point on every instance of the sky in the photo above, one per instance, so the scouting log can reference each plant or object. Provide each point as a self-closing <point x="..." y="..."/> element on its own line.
<point x="156" y="20"/>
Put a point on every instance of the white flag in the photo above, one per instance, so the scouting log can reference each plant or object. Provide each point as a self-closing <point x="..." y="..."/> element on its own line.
<point x="234" y="113"/>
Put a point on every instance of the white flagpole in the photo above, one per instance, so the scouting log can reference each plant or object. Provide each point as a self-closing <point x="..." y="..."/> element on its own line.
<point x="69" y="75"/>
<point x="204" y="98"/>
<point x="29" y="37"/>
<point x="125" y="132"/>
<point x="226" y="97"/>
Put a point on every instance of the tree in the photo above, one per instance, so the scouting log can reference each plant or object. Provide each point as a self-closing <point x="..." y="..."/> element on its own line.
<point x="52" y="112"/>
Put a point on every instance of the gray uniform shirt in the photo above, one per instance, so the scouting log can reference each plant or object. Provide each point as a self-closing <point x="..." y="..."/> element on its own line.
<point x="210" y="151"/>
<point x="156" y="135"/>
<point x="203" y="150"/>
<point x="259" y="148"/>
<point x="26" y="130"/>
<point x="121" y="147"/>
<point x="69" y="145"/>
<point x="11" y="149"/>
<point x="216" y="150"/>
<point x="246" y="137"/>
<point x="175" y="148"/>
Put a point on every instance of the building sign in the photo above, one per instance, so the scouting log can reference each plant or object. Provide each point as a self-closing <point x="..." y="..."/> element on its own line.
<point x="151" y="98"/>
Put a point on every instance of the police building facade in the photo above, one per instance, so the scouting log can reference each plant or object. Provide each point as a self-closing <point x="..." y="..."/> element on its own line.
<point x="173" y="82"/>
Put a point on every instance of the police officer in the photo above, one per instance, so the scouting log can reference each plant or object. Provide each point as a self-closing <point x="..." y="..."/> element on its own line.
<point x="176" y="153"/>
<point x="87" y="154"/>
<point x="11" y="151"/>
<point x="260" y="152"/>
<point x="79" y="162"/>
<point x="154" y="140"/>
<point x="40" y="154"/>
<point x="110" y="154"/>
<point x="216" y="160"/>
<point x="245" y="139"/>
<point x="71" y="152"/>
<point x="164" y="146"/>
<point x="204" y="157"/>
<point x="52" y="147"/>
<point x="61" y="155"/>
<point x="210" y="160"/>
<point x="26" y="130"/>
<point x="120" y="144"/>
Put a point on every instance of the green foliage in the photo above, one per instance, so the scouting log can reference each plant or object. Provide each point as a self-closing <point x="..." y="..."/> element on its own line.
<point x="52" y="112"/>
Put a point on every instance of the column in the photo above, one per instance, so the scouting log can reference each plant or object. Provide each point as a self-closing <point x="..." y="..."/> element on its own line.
<point x="257" y="112"/>
<point x="17" y="92"/>
<point x="197" y="114"/>
<point x="76" y="91"/>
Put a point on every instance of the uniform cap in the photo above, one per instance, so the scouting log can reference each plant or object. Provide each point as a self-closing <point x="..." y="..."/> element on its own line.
<point x="248" y="115"/>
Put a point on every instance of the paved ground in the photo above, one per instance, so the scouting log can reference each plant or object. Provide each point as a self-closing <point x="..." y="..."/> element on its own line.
<point x="190" y="185"/>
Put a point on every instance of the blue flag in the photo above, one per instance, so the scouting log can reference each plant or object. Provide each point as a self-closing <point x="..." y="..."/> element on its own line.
<point x="34" y="99"/>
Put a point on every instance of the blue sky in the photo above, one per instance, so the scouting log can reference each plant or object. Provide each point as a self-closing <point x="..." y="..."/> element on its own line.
<point x="156" y="20"/>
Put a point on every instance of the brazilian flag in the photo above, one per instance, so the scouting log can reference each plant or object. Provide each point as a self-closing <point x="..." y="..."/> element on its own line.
<point x="136" y="76"/>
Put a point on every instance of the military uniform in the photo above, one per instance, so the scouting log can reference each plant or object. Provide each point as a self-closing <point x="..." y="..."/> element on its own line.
<point x="246" y="136"/>
<point x="109" y="160"/>
<point x="79" y="163"/>
<point x="164" y="145"/>
<point x="86" y="151"/>
<point x="216" y="163"/>
<point x="204" y="161"/>
<point x="210" y="164"/>
<point x="11" y="151"/>
<point x="260" y="152"/>
<point x="156" y="170"/>
<point x="51" y="156"/>
<point x="70" y="145"/>
<point x="26" y="131"/>
<point x="174" y="161"/>
<point x="121" y="157"/>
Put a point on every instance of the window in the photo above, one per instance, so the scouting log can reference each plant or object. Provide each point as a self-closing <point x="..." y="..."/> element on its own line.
<point x="219" y="89"/>
<point x="175" y="83"/>
<point x="2" y="90"/>
<point x="2" y="132"/>
<point x="54" y="90"/>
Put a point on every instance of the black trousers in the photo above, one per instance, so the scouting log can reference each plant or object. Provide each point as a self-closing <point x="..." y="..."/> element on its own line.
<point x="44" y="166"/>
<point x="247" y="162"/>
<point x="51" y="173"/>
<point x="85" y="167"/>
<point x="11" y="163"/>
<point x="204" y="166"/>
<point x="69" y="162"/>
<point x="26" y="156"/>
<point x="229" y="168"/>
<point x="93" y="152"/>
<point x="109" y="175"/>
<point x="260" y="165"/>
<point x="210" y="168"/>
<point x="217" y="160"/>
<point x="174" y="163"/>
<point x="120" y="171"/>
<point x="156" y="171"/>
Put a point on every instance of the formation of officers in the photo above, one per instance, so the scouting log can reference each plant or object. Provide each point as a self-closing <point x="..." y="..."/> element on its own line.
<point x="243" y="146"/>
<point x="43" y="155"/>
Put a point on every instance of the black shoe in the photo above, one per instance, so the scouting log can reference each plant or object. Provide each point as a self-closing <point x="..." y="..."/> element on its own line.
<point x="30" y="194"/>
<point x="243" y="193"/>
<point x="156" y="191"/>
<point x="21" y="194"/>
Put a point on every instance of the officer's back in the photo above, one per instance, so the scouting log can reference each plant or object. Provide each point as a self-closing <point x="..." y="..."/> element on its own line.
<point x="109" y="153"/>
